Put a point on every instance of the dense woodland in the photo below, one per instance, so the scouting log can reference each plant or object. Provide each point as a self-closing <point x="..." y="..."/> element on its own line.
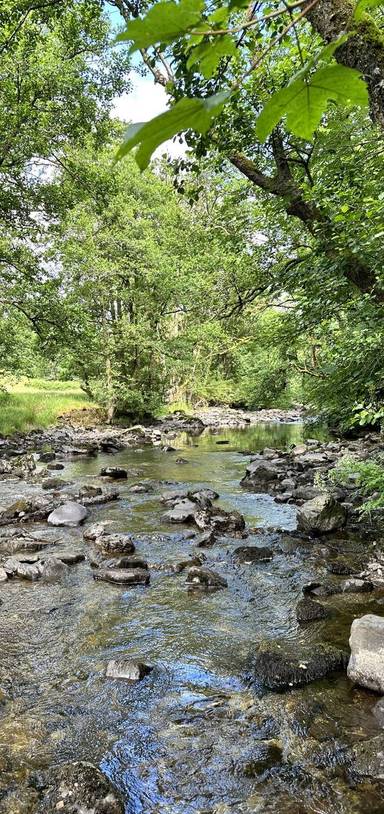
<point x="248" y="273"/>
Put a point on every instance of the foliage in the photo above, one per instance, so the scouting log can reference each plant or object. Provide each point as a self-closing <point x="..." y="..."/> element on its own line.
<point x="368" y="475"/>
<point x="232" y="35"/>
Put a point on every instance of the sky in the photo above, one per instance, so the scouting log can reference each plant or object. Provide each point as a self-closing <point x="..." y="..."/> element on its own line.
<point x="145" y="101"/>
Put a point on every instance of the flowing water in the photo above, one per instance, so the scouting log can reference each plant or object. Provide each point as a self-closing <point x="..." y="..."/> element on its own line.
<point x="188" y="738"/>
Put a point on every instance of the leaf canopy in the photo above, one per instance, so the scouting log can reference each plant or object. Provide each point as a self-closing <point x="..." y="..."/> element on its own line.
<point x="303" y="103"/>
<point x="164" y="23"/>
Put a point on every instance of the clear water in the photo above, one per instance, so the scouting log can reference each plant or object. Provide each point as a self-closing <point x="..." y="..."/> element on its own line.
<point x="177" y="742"/>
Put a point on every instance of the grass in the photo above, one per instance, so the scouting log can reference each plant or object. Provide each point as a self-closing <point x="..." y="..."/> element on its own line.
<point x="30" y="404"/>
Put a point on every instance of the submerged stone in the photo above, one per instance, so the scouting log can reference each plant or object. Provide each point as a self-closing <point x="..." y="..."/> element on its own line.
<point x="79" y="788"/>
<point x="309" y="611"/>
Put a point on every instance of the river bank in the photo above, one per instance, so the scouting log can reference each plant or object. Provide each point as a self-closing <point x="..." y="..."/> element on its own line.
<point x="214" y="594"/>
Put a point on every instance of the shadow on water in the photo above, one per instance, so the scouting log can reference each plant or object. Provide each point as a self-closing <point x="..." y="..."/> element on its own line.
<point x="183" y="740"/>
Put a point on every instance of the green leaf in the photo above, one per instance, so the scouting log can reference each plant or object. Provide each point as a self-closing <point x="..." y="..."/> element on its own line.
<point x="363" y="5"/>
<point x="304" y="103"/>
<point x="186" y="114"/>
<point x="165" y="22"/>
<point x="208" y="55"/>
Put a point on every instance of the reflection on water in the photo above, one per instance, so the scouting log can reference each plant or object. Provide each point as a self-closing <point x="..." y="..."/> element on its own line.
<point x="176" y="743"/>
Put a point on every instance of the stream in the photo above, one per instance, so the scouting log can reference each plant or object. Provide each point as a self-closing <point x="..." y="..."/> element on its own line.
<point x="194" y="736"/>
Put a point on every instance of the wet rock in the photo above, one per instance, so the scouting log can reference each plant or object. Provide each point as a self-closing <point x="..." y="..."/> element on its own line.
<point x="220" y="520"/>
<point x="250" y="554"/>
<point x="182" y="512"/>
<point x="3" y="575"/>
<point x="378" y="712"/>
<point x="125" y="562"/>
<point x="341" y="567"/>
<point x="71" y="557"/>
<point x="367" y="759"/>
<point x="94" y="531"/>
<point x="53" y="483"/>
<point x="309" y="611"/>
<point x="207" y="539"/>
<point x="356" y="586"/>
<point x="181" y="461"/>
<point x="141" y="488"/>
<point x="260" y="474"/>
<point x="89" y="491"/>
<point x="69" y="514"/>
<point x="191" y="561"/>
<point x="47" y="457"/>
<point x="79" y="788"/>
<point x="265" y="756"/>
<point x="366" y="664"/>
<point x="115" y="543"/>
<point x="321" y="588"/>
<point x="128" y="669"/>
<point x="321" y="515"/>
<point x="56" y="467"/>
<point x="279" y="665"/>
<point x="114" y="472"/>
<point x="204" y="578"/>
<point x="123" y="576"/>
<point x="24" y="510"/>
<point x="53" y="569"/>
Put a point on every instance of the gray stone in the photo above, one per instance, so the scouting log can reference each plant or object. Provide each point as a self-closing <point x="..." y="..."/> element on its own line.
<point x="115" y="543"/>
<point x="183" y="512"/>
<point x="3" y="575"/>
<point x="71" y="557"/>
<point x="367" y="758"/>
<point x="366" y="664"/>
<point x="69" y="514"/>
<point x="321" y="515"/>
<point x="123" y="576"/>
<point x="125" y="562"/>
<point x="127" y="669"/>
<point x="94" y="531"/>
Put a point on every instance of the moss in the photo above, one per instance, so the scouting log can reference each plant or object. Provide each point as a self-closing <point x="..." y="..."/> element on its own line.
<point x="369" y="30"/>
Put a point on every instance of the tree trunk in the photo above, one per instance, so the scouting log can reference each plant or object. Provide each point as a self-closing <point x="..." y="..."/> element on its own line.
<point x="363" y="51"/>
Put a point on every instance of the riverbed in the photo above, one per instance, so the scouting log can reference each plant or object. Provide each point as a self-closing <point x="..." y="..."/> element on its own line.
<point x="195" y="736"/>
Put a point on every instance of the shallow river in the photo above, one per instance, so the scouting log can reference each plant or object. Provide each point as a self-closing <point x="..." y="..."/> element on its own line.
<point x="185" y="739"/>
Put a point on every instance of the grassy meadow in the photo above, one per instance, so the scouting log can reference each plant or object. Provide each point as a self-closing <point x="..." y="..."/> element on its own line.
<point x="27" y="404"/>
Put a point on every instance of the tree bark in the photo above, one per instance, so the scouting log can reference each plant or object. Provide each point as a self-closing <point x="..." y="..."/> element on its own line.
<point x="363" y="51"/>
<point x="283" y="185"/>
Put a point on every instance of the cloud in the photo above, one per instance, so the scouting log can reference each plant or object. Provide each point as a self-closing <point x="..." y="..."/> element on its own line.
<point x="145" y="101"/>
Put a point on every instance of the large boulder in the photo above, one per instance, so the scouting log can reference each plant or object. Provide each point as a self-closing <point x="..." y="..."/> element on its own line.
<point x="260" y="473"/>
<point x="69" y="514"/>
<point x="280" y="665"/>
<point x="248" y="554"/>
<point x="79" y="788"/>
<point x="182" y="512"/>
<point x="366" y="664"/>
<point x="321" y="515"/>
